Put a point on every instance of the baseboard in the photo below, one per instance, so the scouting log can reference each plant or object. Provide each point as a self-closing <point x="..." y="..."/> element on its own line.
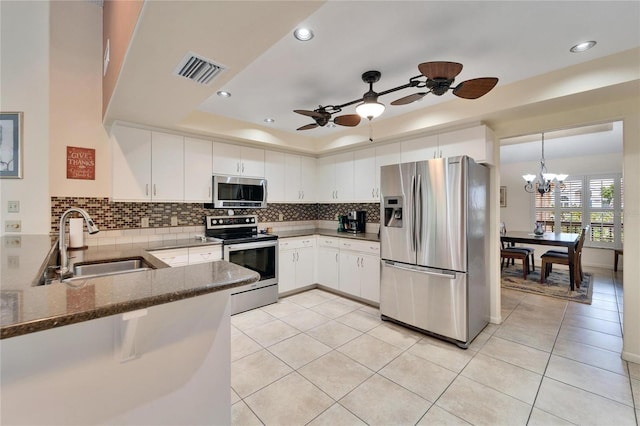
<point x="628" y="356"/>
<point x="495" y="320"/>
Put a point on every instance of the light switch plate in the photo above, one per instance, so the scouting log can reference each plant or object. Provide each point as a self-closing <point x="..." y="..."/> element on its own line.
<point x="174" y="220"/>
<point x="144" y="222"/>
<point x="12" y="226"/>
<point x="13" y="206"/>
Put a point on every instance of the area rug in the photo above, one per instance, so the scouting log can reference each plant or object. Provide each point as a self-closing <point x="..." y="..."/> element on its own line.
<point x="555" y="285"/>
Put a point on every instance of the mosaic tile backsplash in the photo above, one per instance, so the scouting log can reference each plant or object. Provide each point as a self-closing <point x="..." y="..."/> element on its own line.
<point x="128" y="215"/>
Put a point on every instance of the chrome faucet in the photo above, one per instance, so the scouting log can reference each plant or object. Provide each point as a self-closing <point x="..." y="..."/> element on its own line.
<point x="91" y="227"/>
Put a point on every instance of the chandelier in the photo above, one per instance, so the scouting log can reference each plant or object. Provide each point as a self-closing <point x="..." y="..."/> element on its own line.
<point x="542" y="182"/>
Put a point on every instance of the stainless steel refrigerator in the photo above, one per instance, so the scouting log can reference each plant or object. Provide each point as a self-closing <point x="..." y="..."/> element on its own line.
<point x="434" y="220"/>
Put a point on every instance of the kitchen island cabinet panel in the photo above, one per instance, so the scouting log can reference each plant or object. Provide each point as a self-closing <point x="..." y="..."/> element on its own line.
<point x="175" y="373"/>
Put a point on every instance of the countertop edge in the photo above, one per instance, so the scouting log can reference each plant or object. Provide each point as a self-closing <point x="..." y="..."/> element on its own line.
<point x="15" y="330"/>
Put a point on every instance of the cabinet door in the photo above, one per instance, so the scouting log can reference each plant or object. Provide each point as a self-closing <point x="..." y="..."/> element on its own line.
<point x="344" y="177"/>
<point x="308" y="179"/>
<point x="286" y="270"/>
<point x="252" y="162"/>
<point x="476" y="142"/>
<point x="350" y="273"/>
<point x="328" y="262"/>
<point x="226" y="159"/>
<point x="370" y="277"/>
<point x="424" y="148"/>
<point x="292" y="178"/>
<point x="198" y="161"/>
<point x="304" y="266"/>
<point x="130" y="164"/>
<point x="205" y="254"/>
<point x="364" y="175"/>
<point x="385" y="155"/>
<point x="274" y="172"/>
<point x="326" y="189"/>
<point x="167" y="167"/>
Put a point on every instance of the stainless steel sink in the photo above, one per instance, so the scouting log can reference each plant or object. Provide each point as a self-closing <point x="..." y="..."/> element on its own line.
<point x="109" y="267"/>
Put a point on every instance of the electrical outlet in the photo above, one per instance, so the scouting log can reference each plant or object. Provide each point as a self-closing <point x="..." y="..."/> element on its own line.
<point x="280" y="217"/>
<point x="13" y="206"/>
<point x="174" y="220"/>
<point x="144" y="222"/>
<point x="12" y="226"/>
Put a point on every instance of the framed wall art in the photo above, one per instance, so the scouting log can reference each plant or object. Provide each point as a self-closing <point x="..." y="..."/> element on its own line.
<point x="11" y="145"/>
<point x="503" y="196"/>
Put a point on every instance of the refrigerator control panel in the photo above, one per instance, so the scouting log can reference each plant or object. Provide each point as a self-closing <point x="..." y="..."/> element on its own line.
<point x="393" y="212"/>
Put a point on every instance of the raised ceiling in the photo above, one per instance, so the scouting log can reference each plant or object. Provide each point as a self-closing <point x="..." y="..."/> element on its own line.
<point x="269" y="73"/>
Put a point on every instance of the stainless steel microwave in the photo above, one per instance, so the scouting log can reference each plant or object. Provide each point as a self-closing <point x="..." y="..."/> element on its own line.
<point x="239" y="192"/>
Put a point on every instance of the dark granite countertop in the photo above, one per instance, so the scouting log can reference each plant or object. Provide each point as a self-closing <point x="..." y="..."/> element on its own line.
<point x="327" y="233"/>
<point x="27" y="308"/>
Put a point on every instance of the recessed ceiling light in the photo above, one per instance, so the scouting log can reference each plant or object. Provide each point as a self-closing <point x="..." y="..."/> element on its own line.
<point x="223" y="94"/>
<point x="581" y="47"/>
<point x="269" y="120"/>
<point x="331" y="125"/>
<point x="303" y="34"/>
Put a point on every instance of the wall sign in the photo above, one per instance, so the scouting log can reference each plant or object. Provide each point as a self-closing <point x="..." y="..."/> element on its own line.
<point x="81" y="163"/>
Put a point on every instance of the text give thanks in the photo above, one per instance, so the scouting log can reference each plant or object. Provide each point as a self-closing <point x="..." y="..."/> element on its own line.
<point x="81" y="163"/>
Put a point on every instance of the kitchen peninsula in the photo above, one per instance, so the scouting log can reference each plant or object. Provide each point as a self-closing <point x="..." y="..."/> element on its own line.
<point x="149" y="347"/>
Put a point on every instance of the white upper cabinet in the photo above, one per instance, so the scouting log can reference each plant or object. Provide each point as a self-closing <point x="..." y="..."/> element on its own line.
<point x="423" y="148"/>
<point x="130" y="164"/>
<point x="237" y="160"/>
<point x="335" y="178"/>
<point x="146" y="165"/>
<point x="198" y="163"/>
<point x="300" y="177"/>
<point x="274" y="172"/>
<point x="366" y="166"/>
<point x="476" y="142"/>
<point x="167" y="167"/>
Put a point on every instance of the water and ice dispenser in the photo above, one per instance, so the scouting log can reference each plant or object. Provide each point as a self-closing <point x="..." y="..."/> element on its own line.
<point x="393" y="212"/>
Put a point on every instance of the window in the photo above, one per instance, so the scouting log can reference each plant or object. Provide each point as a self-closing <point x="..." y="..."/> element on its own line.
<point x="595" y="200"/>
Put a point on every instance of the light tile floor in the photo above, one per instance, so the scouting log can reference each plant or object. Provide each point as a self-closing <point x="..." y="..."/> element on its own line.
<point x="320" y="359"/>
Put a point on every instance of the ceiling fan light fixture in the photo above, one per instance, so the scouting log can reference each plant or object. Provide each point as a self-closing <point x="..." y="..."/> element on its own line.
<point x="582" y="47"/>
<point x="303" y="34"/>
<point x="370" y="110"/>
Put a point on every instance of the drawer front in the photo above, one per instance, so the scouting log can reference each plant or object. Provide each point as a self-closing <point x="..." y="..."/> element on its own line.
<point x="296" y="243"/>
<point x="173" y="257"/>
<point x="328" y="242"/>
<point x="372" y="247"/>
<point x="205" y="254"/>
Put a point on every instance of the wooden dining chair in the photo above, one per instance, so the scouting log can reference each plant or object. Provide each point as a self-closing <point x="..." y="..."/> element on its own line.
<point x="512" y="253"/>
<point x="562" y="258"/>
<point x="503" y="230"/>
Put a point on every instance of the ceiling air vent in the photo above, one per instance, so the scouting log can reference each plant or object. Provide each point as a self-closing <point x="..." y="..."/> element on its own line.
<point x="198" y="69"/>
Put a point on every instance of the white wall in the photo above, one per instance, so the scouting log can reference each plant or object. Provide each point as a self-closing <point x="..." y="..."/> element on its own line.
<point x="76" y="96"/>
<point x="24" y="86"/>
<point x="519" y="213"/>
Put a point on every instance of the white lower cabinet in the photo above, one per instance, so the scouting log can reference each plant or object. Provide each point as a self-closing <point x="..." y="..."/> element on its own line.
<point x="189" y="256"/>
<point x="296" y="260"/>
<point x="351" y="266"/>
<point x="328" y="262"/>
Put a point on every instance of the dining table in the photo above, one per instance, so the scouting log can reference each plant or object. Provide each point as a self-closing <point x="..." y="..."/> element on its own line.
<point x="561" y="239"/>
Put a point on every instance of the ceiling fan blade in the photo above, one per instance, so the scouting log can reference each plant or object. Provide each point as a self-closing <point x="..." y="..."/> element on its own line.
<point x="308" y="113"/>
<point x="446" y="70"/>
<point x="349" y="120"/>
<point x="408" y="99"/>
<point x="474" y="88"/>
<point x="308" y="126"/>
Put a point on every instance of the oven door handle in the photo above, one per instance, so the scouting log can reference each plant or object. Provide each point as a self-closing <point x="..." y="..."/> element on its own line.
<point x="250" y="246"/>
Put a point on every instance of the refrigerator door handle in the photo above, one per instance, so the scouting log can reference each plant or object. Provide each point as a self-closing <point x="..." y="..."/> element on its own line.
<point x="414" y="237"/>
<point x="419" y="214"/>
<point x="451" y="276"/>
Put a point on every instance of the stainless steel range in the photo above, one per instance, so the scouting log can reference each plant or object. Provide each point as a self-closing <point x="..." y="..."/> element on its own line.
<point x="244" y="246"/>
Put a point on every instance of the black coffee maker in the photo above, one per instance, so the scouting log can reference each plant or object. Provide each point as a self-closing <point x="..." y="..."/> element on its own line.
<point x="354" y="221"/>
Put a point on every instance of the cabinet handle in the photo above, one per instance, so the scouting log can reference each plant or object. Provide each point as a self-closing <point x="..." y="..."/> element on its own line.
<point x="302" y="194"/>
<point x="146" y="189"/>
<point x="336" y="257"/>
<point x="297" y="256"/>
<point x="209" y="192"/>
<point x="237" y="167"/>
<point x="378" y="192"/>
<point x="293" y="256"/>
<point x="242" y="167"/>
<point x="154" y="189"/>
<point x="373" y="192"/>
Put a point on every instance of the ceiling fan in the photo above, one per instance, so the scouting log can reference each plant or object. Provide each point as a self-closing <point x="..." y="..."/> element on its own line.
<point x="322" y="116"/>
<point x="438" y="79"/>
